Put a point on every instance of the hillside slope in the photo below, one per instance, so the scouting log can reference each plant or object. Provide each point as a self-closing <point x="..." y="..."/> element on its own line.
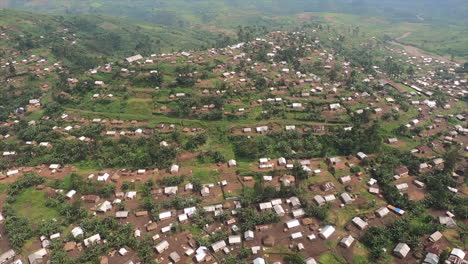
<point x="436" y="26"/>
<point x="85" y="39"/>
<point x="177" y="12"/>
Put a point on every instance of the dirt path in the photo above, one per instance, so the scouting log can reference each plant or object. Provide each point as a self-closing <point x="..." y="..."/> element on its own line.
<point x="395" y="85"/>
<point x="417" y="52"/>
<point x="407" y="34"/>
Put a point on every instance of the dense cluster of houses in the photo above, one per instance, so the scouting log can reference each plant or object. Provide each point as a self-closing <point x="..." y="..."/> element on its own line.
<point x="292" y="90"/>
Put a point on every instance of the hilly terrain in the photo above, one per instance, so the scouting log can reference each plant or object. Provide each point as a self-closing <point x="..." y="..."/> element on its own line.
<point x="169" y="12"/>
<point x="437" y="26"/>
<point x="233" y="132"/>
<point x="319" y="145"/>
<point x="85" y="40"/>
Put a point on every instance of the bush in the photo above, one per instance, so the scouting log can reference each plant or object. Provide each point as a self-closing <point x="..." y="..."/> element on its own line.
<point x="18" y="230"/>
<point x="53" y="109"/>
<point x="24" y="182"/>
<point x="355" y="169"/>
<point x="320" y="212"/>
<point x="249" y="218"/>
<point x="172" y="180"/>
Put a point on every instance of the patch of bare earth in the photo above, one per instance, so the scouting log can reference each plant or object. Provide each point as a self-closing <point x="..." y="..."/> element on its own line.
<point x="107" y="25"/>
<point x="217" y="30"/>
<point x="305" y="17"/>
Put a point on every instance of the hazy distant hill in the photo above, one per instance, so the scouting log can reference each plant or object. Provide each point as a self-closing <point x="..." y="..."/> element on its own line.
<point x="437" y="26"/>
<point x="85" y="39"/>
<point x="183" y="12"/>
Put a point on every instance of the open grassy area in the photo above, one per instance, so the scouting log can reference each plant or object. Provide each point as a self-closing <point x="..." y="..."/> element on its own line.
<point x="360" y="253"/>
<point x="433" y="38"/>
<point x="195" y="230"/>
<point x="86" y="167"/>
<point x="440" y="40"/>
<point x="31" y="204"/>
<point x="405" y="118"/>
<point x="2" y="187"/>
<point x="205" y="175"/>
<point x="66" y="182"/>
<point x="454" y="238"/>
<point x="139" y="106"/>
<point x="36" y="115"/>
<point x="331" y="258"/>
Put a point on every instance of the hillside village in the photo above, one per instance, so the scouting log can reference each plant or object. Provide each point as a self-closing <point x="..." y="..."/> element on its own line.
<point x="311" y="145"/>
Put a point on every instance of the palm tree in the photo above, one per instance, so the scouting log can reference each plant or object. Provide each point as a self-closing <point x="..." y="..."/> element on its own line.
<point x="450" y="159"/>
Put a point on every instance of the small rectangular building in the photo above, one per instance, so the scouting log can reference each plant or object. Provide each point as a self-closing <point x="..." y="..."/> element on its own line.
<point x="359" y="223"/>
<point x="436" y="236"/>
<point x="346" y="198"/>
<point x="174" y="256"/>
<point x="382" y="211"/>
<point x="347" y="241"/>
<point x="219" y="245"/>
<point x="236" y="239"/>
<point x="10" y="254"/>
<point x="292" y="223"/>
<point x="319" y="199"/>
<point x="162" y="246"/>
<point x="401" y="250"/>
<point x="327" y="231"/>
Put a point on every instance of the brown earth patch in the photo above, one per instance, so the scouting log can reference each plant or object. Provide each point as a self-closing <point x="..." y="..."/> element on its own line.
<point x="107" y="25"/>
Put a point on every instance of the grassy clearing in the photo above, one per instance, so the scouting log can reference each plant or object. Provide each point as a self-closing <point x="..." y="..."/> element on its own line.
<point x="436" y="39"/>
<point x="66" y="182"/>
<point x="205" y="175"/>
<point x="331" y="258"/>
<point x="31" y="204"/>
<point x="36" y="115"/>
<point x="139" y="106"/>
<point x="404" y="119"/>
<point x="360" y="254"/>
<point x="344" y="215"/>
<point x="278" y="249"/>
<point x="195" y="230"/>
<point x="360" y="260"/>
<point x="86" y="167"/>
<point x="446" y="40"/>
<point x="453" y="237"/>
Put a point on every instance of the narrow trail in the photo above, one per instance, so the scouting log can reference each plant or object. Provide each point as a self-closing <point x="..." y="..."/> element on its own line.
<point x="407" y="34"/>
<point x="417" y="52"/>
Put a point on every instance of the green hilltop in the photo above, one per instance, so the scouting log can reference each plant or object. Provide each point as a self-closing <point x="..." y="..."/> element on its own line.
<point x="438" y="27"/>
<point x="92" y="37"/>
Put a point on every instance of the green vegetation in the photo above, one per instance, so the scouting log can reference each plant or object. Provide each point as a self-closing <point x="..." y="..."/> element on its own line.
<point x="213" y="11"/>
<point x="31" y="204"/>
<point x="427" y="21"/>
<point x="288" y="144"/>
<point x="141" y="152"/>
<point x="96" y="37"/>
<point x="330" y="258"/>
<point x="205" y="175"/>
<point x="315" y="94"/>
<point x="3" y="187"/>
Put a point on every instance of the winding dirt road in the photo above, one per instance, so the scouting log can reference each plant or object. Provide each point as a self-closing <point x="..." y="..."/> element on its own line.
<point x="417" y="52"/>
